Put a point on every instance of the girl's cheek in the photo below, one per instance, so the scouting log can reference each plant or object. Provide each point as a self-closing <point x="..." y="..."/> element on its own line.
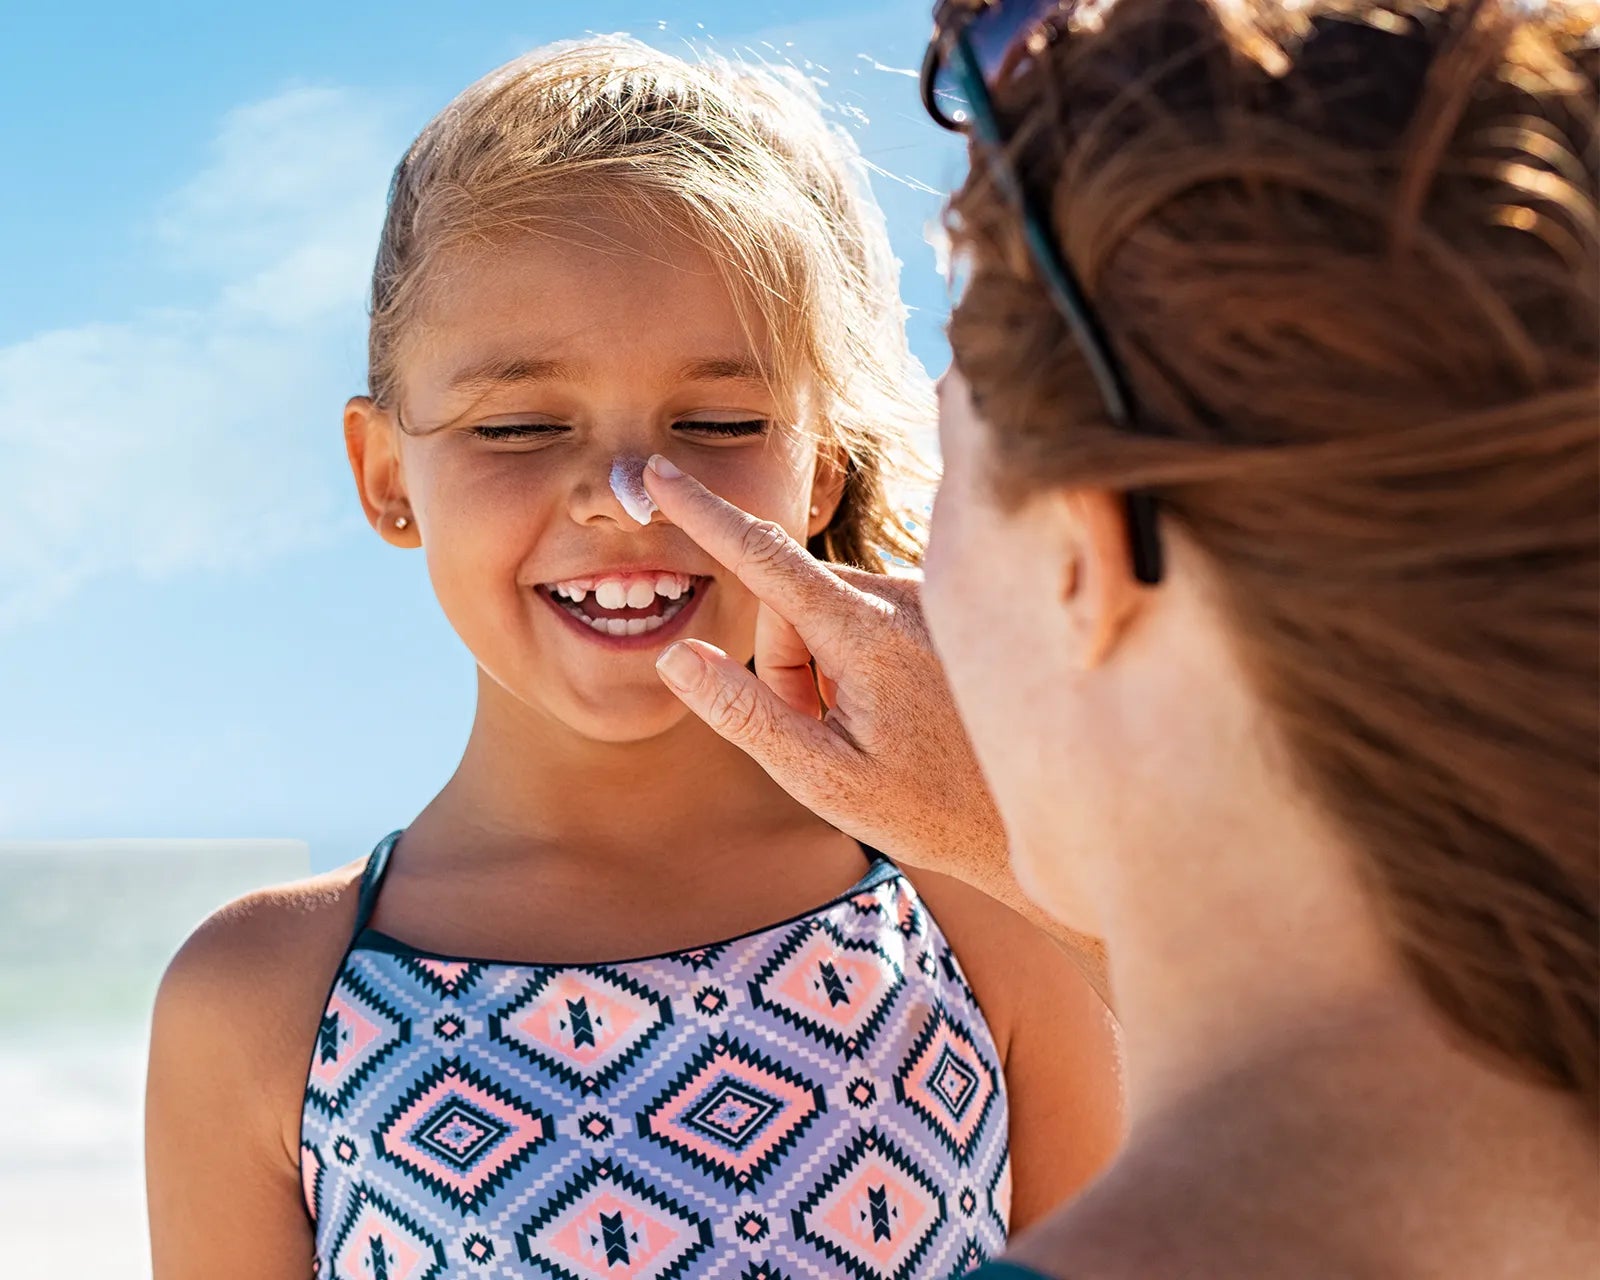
<point x="768" y="482"/>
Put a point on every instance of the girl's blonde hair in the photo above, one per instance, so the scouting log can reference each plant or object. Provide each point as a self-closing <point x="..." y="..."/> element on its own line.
<point x="745" y="163"/>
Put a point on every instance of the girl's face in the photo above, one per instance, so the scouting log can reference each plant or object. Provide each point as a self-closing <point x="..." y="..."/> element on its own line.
<point x="532" y="367"/>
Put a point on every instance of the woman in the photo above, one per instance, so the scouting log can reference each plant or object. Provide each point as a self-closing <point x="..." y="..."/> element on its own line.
<point x="1307" y="728"/>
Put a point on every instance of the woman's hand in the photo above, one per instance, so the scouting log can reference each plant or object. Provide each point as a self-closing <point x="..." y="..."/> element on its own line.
<point x="871" y="741"/>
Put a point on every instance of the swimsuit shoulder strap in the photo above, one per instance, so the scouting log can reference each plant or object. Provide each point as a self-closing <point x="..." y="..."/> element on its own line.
<point x="372" y="880"/>
<point x="880" y="867"/>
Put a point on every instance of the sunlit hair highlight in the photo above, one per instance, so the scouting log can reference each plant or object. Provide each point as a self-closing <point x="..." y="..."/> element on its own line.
<point x="1350" y="255"/>
<point x="738" y="158"/>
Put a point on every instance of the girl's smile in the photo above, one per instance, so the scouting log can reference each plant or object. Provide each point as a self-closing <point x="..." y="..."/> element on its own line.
<point x="629" y="609"/>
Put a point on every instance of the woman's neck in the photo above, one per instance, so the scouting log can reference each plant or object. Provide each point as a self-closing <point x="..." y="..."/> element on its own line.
<point x="1290" y="1088"/>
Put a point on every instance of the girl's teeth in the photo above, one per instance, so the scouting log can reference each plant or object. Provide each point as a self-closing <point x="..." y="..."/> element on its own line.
<point x="636" y="593"/>
<point x="631" y="626"/>
<point x="672" y="605"/>
<point x="641" y="594"/>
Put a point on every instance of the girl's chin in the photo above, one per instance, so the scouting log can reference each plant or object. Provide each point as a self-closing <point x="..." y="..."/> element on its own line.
<point x="635" y="713"/>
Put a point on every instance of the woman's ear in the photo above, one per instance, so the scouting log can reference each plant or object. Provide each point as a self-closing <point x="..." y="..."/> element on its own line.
<point x="371" y="442"/>
<point x="827" y="488"/>
<point x="1098" y="589"/>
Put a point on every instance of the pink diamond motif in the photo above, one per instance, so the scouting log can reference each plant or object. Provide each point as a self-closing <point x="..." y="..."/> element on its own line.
<point x="359" y="1029"/>
<point x="946" y="1081"/>
<point x="460" y="1134"/>
<point x="586" y="1026"/>
<point x="874" y="1213"/>
<point x="733" y="1112"/>
<point x="607" y="1224"/>
<point x="377" y="1239"/>
<point x="836" y="989"/>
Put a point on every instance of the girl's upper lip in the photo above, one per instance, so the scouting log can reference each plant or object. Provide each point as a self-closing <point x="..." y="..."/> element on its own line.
<point x="625" y="571"/>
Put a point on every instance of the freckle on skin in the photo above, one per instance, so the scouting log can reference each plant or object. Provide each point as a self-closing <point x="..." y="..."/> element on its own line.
<point x="627" y="482"/>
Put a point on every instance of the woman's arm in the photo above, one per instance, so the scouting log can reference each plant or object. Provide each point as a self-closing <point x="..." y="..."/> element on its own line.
<point x="234" y="1022"/>
<point x="881" y="754"/>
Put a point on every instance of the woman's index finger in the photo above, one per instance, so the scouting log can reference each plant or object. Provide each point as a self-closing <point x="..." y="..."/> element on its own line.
<point x="779" y="572"/>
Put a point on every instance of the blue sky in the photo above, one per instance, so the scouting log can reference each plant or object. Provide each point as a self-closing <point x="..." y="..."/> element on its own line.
<point x="199" y="635"/>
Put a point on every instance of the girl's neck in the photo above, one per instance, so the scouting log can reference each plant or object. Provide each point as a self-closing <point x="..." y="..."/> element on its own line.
<point x="528" y="783"/>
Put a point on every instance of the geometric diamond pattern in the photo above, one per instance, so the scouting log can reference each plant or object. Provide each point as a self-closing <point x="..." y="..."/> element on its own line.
<point x="874" y="1212"/>
<point x="608" y="1223"/>
<point x="584" y="1024"/>
<point x="359" y="1030"/>
<point x="732" y="1112"/>
<point x="449" y="978"/>
<point x="376" y="1240"/>
<point x="833" y="988"/>
<point x="815" y="1100"/>
<point x="460" y="1134"/>
<point x="478" y="1248"/>
<point x="946" y="1081"/>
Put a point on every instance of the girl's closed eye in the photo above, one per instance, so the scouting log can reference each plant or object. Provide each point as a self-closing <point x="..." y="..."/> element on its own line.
<point x="515" y="432"/>
<point x="726" y="430"/>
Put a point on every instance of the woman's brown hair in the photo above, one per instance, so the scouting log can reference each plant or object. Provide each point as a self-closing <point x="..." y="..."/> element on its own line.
<point x="1348" y="255"/>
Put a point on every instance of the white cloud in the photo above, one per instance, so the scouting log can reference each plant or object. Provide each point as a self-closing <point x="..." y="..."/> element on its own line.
<point x="205" y="437"/>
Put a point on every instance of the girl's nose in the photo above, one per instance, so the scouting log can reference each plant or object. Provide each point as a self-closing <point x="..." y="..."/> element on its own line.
<point x="627" y="482"/>
<point x="612" y="490"/>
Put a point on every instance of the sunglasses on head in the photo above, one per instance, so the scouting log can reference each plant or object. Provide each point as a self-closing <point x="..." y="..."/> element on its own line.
<point x="977" y="46"/>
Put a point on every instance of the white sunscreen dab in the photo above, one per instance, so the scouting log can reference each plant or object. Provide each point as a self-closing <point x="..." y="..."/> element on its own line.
<point x="627" y="482"/>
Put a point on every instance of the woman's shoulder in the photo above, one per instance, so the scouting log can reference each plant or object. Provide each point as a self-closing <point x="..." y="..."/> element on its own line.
<point x="245" y="990"/>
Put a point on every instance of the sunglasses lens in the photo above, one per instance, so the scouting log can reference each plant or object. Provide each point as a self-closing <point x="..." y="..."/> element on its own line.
<point x="997" y="38"/>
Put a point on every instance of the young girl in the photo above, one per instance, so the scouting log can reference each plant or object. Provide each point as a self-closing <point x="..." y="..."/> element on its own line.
<point x="612" y="1004"/>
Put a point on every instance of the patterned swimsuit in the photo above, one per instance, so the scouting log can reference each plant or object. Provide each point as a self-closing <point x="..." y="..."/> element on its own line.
<point x="817" y="1099"/>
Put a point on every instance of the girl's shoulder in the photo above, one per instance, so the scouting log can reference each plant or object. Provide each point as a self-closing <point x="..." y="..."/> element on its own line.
<point x="242" y="998"/>
<point x="1014" y="968"/>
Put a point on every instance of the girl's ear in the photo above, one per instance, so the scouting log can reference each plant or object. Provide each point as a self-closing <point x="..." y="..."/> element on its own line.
<point x="827" y="488"/>
<point x="370" y="441"/>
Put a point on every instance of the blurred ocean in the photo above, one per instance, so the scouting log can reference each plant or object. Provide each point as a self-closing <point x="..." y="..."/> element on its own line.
<point x="86" y="928"/>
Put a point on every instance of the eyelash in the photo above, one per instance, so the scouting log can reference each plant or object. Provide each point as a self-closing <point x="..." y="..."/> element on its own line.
<point x="515" y="433"/>
<point x="752" y="427"/>
<point x="727" y="430"/>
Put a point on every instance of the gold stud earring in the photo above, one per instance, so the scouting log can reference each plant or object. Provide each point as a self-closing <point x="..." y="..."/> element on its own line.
<point x="400" y="522"/>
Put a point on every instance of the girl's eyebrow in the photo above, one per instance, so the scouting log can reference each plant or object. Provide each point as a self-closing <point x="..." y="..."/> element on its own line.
<point x="501" y="370"/>
<point x="740" y="368"/>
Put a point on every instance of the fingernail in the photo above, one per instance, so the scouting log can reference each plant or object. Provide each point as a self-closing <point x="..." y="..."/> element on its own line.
<point x="663" y="467"/>
<point x="681" y="666"/>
